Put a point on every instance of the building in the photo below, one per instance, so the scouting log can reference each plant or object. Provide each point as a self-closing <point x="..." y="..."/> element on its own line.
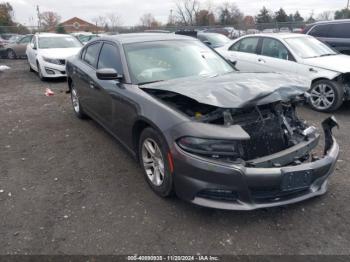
<point x="76" y="24"/>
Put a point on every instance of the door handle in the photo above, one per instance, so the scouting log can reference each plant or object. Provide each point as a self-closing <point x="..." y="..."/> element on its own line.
<point x="260" y="60"/>
<point x="92" y="84"/>
<point x="312" y="70"/>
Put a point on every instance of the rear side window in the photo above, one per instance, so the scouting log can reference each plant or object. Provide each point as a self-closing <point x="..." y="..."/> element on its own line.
<point x="26" y="40"/>
<point x="246" y="45"/>
<point x="274" y="48"/>
<point x="340" y="31"/>
<point x="110" y="58"/>
<point x="91" y="54"/>
<point x="320" y="31"/>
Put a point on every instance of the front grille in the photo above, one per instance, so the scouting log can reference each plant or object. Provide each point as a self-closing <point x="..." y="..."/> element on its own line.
<point x="218" y="195"/>
<point x="276" y="195"/>
<point x="62" y="61"/>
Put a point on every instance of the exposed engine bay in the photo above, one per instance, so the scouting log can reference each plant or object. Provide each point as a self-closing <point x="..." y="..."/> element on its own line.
<point x="272" y="127"/>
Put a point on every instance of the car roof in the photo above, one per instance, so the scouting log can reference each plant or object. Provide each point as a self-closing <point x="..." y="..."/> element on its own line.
<point x="332" y="22"/>
<point x="144" y="37"/>
<point x="51" y="35"/>
<point x="278" y="35"/>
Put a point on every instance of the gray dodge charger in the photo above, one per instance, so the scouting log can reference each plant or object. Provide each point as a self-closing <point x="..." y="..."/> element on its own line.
<point x="199" y="129"/>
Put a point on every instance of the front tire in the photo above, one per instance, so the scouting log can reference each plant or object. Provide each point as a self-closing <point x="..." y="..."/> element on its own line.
<point x="40" y="74"/>
<point x="11" y="54"/>
<point x="154" y="160"/>
<point x="326" y="96"/>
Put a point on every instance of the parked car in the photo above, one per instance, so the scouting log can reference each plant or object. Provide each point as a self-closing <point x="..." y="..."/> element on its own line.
<point x="18" y="48"/>
<point x="334" y="33"/>
<point x="47" y="54"/>
<point x="229" y="32"/>
<point x="298" y="30"/>
<point x="214" y="40"/>
<point x="86" y="38"/>
<point x="284" y="30"/>
<point x="253" y="31"/>
<point x="216" y="137"/>
<point x="302" y="55"/>
<point x="270" y="30"/>
<point x="2" y="46"/>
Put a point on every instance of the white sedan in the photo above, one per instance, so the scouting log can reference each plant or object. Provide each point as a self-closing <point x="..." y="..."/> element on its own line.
<point x="47" y="54"/>
<point x="301" y="55"/>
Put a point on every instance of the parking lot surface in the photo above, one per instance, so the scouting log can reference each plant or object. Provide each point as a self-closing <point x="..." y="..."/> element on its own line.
<point x="67" y="187"/>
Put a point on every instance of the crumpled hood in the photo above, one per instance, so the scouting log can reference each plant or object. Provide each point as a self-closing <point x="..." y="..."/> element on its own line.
<point x="59" y="53"/>
<point x="339" y="63"/>
<point x="236" y="90"/>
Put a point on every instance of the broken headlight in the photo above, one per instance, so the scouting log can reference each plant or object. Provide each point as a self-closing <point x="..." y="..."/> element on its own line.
<point x="210" y="147"/>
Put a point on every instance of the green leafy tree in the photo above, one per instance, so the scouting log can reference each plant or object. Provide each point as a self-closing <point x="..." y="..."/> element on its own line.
<point x="281" y="16"/>
<point x="342" y="14"/>
<point x="264" y="16"/>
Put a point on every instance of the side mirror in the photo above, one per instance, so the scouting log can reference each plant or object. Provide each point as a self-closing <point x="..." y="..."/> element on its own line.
<point x="108" y="74"/>
<point x="32" y="46"/>
<point x="207" y="42"/>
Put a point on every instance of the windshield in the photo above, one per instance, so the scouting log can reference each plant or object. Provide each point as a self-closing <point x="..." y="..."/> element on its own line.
<point x="58" y="42"/>
<point x="164" y="60"/>
<point x="309" y="47"/>
<point x="216" y="39"/>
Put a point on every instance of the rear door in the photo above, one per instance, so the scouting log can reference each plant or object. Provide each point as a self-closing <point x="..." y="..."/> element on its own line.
<point x="244" y="53"/>
<point x="339" y="37"/>
<point x="275" y="56"/>
<point x="21" y="47"/>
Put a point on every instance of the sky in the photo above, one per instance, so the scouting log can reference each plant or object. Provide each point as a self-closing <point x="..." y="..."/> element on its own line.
<point x="130" y="11"/>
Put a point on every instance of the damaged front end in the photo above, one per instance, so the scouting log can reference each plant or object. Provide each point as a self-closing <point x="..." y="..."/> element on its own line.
<point x="257" y="155"/>
<point x="274" y="135"/>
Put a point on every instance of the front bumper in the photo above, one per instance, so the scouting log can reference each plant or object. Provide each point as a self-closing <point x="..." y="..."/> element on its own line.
<point x="50" y="70"/>
<point x="200" y="181"/>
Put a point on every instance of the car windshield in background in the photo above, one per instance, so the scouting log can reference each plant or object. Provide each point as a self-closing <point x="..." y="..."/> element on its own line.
<point x="309" y="47"/>
<point x="217" y="39"/>
<point x="158" y="61"/>
<point x="58" y="42"/>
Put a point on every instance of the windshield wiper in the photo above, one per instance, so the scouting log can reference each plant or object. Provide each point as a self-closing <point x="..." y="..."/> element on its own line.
<point x="150" y="82"/>
<point x="327" y="55"/>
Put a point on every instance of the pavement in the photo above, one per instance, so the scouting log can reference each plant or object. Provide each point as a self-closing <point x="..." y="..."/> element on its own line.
<point x="68" y="187"/>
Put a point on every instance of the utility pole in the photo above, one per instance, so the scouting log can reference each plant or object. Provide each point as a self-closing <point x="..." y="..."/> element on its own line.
<point x="39" y="18"/>
<point x="347" y="6"/>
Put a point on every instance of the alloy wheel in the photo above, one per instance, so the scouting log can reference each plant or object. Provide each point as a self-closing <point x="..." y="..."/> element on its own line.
<point x="11" y="54"/>
<point x="75" y="100"/>
<point x="322" y="96"/>
<point x="153" y="162"/>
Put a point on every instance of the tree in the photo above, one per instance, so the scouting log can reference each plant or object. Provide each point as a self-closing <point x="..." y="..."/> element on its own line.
<point x="115" y="21"/>
<point x="186" y="11"/>
<point x="60" y="29"/>
<point x="281" y="16"/>
<point x="291" y="18"/>
<point x="298" y="17"/>
<point x="325" y="16"/>
<point x="100" y="21"/>
<point x="6" y="14"/>
<point x="149" y="21"/>
<point x="205" y="18"/>
<point x="311" y="19"/>
<point x="229" y="14"/>
<point x="49" y="20"/>
<point x="342" y="14"/>
<point x="264" y="16"/>
<point x="249" y="22"/>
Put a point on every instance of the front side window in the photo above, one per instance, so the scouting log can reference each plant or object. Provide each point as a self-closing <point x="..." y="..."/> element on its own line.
<point x="33" y="42"/>
<point x="110" y="58"/>
<point x="274" y="48"/>
<point x="25" y="40"/>
<point x="246" y="45"/>
<point x="58" y="42"/>
<point x="91" y="54"/>
<point x="165" y="60"/>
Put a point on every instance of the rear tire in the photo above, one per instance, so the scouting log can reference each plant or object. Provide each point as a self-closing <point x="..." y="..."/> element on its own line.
<point x="11" y="54"/>
<point x="326" y="96"/>
<point x="153" y="157"/>
<point x="77" y="108"/>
